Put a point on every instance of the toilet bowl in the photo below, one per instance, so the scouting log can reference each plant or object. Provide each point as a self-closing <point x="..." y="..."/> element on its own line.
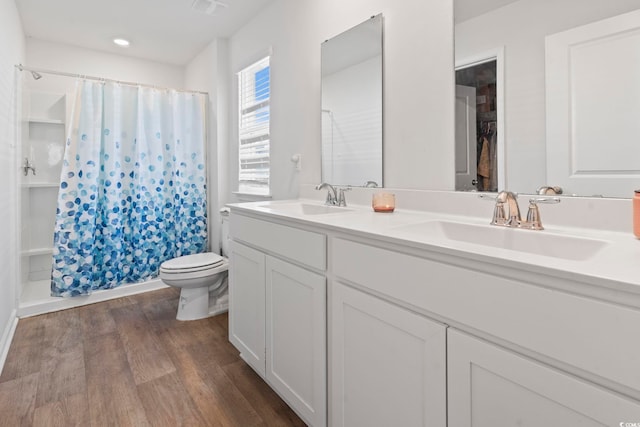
<point x="197" y="276"/>
<point x="202" y="278"/>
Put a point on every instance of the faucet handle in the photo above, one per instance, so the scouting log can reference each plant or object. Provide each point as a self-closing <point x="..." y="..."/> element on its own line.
<point x="499" y="214"/>
<point x="546" y="190"/>
<point x="501" y="197"/>
<point x="546" y="200"/>
<point x="342" y="200"/>
<point x="533" y="214"/>
<point x="488" y="197"/>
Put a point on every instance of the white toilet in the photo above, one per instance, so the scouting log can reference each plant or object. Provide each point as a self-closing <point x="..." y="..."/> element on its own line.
<point x="202" y="279"/>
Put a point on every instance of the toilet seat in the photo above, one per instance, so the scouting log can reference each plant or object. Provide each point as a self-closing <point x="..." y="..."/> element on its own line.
<point x="194" y="273"/>
<point x="193" y="267"/>
<point x="192" y="263"/>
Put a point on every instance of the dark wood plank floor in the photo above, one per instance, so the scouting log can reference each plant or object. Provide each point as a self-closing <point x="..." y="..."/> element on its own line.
<point x="129" y="362"/>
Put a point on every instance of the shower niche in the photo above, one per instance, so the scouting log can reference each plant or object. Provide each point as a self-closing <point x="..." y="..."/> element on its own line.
<point x="43" y="138"/>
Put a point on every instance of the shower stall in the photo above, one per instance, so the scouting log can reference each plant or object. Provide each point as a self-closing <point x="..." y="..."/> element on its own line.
<point x="43" y="128"/>
<point x="46" y="108"/>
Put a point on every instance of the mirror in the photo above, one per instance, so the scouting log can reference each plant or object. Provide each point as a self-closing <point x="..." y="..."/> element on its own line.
<point x="352" y="106"/>
<point x="568" y="90"/>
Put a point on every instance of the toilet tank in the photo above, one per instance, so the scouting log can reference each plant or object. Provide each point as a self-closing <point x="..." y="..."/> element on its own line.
<point x="224" y="240"/>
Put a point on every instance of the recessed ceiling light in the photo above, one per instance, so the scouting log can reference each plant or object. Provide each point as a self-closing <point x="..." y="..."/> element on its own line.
<point x="121" y="42"/>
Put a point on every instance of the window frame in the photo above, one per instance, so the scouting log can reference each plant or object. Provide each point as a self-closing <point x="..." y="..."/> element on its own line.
<point x="254" y="128"/>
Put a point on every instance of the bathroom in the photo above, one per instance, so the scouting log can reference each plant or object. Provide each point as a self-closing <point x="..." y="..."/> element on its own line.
<point x="419" y="59"/>
<point x="210" y="68"/>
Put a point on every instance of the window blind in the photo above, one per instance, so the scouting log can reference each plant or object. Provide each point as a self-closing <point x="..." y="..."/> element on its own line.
<point x="254" y="95"/>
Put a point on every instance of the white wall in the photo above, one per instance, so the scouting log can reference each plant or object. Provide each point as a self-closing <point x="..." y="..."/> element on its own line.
<point x="418" y="87"/>
<point x="11" y="53"/>
<point x="73" y="59"/>
<point x="207" y="72"/>
<point x="521" y="28"/>
<point x="64" y="58"/>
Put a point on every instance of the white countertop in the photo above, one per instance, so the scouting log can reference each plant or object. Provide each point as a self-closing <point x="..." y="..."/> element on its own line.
<point x="615" y="266"/>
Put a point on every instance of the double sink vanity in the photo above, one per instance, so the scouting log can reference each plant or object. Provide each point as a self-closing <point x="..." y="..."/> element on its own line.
<point x="434" y="317"/>
<point x="430" y="316"/>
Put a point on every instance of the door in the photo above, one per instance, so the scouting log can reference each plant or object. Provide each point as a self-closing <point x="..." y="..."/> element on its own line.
<point x="493" y="387"/>
<point x="246" y="304"/>
<point x="466" y="149"/>
<point x="296" y="338"/>
<point x="592" y="107"/>
<point x="388" y="365"/>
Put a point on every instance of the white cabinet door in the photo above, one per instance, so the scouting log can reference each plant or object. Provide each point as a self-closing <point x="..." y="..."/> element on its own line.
<point x="246" y="304"/>
<point x="296" y="338"/>
<point x="493" y="387"/>
<point x="388" y="365"/>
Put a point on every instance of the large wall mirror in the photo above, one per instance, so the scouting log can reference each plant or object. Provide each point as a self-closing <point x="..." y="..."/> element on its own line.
<point x="556" y="99"/>
<point x="352" y="106"/>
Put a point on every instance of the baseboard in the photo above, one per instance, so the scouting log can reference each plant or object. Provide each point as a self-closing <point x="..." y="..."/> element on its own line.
<point x="56" y="303"/>
<point x="223" y="308"/>
<point x="7" y="337"/>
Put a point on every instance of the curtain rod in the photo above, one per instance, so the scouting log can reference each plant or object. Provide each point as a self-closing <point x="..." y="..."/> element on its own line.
<point x="101" y="79"/>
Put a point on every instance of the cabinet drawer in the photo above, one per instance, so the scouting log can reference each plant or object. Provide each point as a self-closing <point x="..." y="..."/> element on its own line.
<point x="595" y="336"/>
<point x="305" y="247"/>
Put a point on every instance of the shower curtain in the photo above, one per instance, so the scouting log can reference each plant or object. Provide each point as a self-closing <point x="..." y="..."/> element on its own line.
<point x="132" y="189"/>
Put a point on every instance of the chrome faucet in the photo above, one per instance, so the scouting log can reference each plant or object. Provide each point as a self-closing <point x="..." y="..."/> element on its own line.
<point x="332" y="195"/>
<point x="335" y="195"/>
<point x="511" y="199"/>
<point x="513" y="218"/>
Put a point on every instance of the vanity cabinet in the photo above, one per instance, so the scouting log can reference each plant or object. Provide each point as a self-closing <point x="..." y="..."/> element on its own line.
<point x="489" y="386"/>
<point x="277" y="309"/>
<point x="418" y="334"/>
<point x="388" y="363"/>
<point x="517" y="353"/>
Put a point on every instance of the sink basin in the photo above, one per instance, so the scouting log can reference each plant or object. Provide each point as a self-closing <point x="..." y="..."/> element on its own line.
<point x="304" y="209"/>
<point x="527" y="241"/>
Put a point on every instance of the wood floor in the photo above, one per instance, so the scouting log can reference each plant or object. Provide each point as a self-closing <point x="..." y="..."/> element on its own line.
<point x="129" y="362"/>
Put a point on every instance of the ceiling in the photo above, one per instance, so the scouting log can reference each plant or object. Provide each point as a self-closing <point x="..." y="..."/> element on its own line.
<point x="168" y="31"/>
<point x="466" y="9"/>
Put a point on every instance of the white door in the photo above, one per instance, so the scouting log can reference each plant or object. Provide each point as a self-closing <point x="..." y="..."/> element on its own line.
<point x="466" y="149"/>
<point x="593" y="107"/>
<point x="493" y="387"/>
<point x="388" y="365"/>
<point x="246" y="304"/>
<point x="296" y="338"/>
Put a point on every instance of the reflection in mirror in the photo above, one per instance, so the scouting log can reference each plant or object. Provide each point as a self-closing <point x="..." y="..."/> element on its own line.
<point x="476" y="152"/>
<point x="352" y="106"/>
<point x="570" y="90"/>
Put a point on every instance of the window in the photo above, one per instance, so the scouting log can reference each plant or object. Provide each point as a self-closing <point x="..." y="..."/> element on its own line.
<point x="254" y="94"/>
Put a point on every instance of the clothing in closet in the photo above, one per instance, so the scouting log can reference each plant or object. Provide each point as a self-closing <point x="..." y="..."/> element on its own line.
<point x="487" y="157"/>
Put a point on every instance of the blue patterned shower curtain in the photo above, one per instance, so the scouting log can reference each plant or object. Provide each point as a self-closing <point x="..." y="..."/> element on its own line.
<point x="132" y="188"/>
